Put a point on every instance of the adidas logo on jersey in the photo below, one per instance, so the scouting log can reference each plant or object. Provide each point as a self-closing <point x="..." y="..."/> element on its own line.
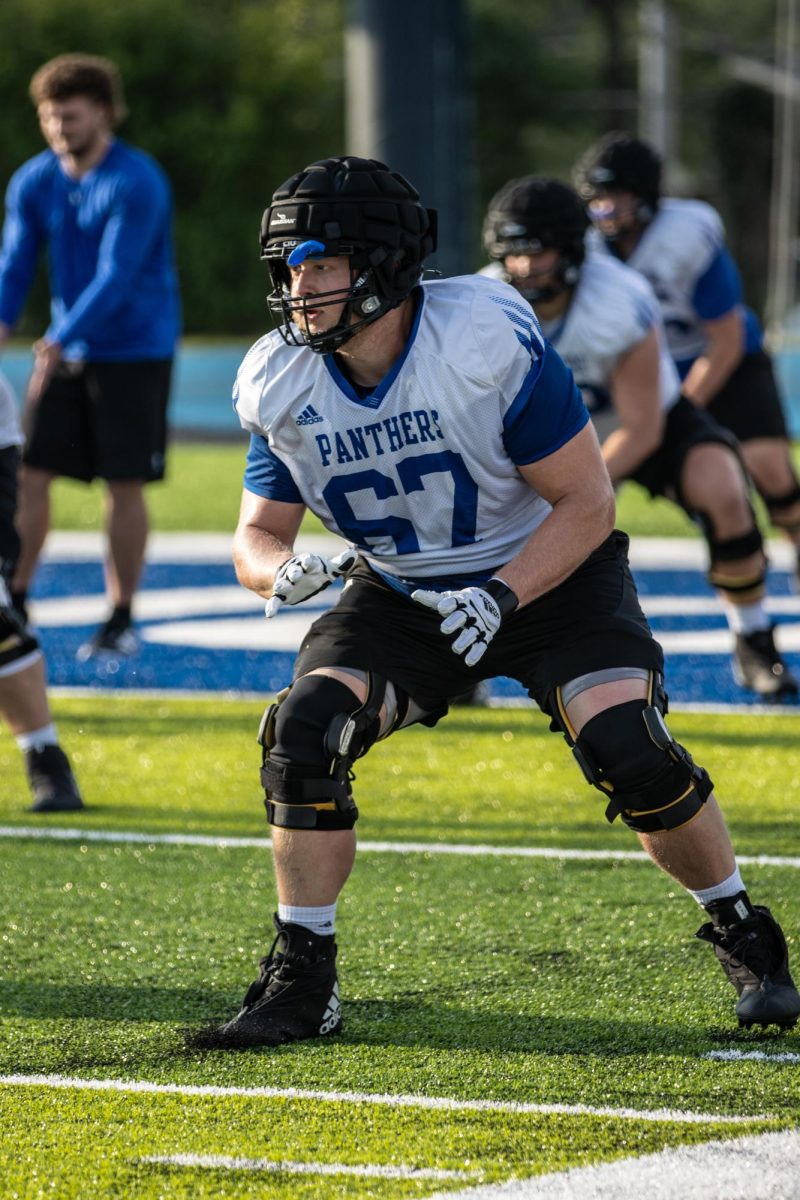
<point x="309" y="416"/>
<point x="333" y="1013"/>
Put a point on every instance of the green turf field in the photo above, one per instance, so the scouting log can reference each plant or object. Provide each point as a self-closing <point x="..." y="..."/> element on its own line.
<point x="520" y="982"/>
<point x="204" y="484"/>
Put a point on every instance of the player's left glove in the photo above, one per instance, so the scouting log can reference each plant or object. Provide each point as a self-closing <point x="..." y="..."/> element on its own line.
<point x="477" y="612"/>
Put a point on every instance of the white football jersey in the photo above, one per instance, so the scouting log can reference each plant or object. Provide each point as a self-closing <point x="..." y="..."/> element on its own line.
<point x="675" y="250"/>
<point x="10" y="432"/>
<point x="613" y="308"/>
<point x="420" y="472"/>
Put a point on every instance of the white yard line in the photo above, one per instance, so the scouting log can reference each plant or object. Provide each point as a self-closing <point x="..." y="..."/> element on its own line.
<point x="383" y="1099"/>
<point x="761" y="1167"/>
<point x="752" y="1056"/>
<point x="227" y="1162"/>
<point x="49" y="833"/>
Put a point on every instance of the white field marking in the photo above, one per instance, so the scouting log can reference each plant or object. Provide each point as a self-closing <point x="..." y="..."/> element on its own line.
<point x="654" y="552"/>
<point x="760" y="1167"/>
<point x="92" y="693"/>
<point x="227" y="1162"/>
<point x="752" y="1055"/>
<point x="47" y="833"/>
<point x="89" y="546"/>
<point x="384" y="1099"/>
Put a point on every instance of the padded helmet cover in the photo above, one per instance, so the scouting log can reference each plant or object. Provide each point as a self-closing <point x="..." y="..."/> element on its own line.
<point x="356" y="207"/>
<point x="619" y="161"/>
<point x="535" y="213"/>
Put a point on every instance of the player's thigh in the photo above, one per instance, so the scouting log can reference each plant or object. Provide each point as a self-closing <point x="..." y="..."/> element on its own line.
<point x="375" y="628"/>
<point x="62" y="436"/>
<point x="130" y="418"/>
<point x="592" y="622"/>
<point x="749" y="403"/>
<point x="9" y="538"/>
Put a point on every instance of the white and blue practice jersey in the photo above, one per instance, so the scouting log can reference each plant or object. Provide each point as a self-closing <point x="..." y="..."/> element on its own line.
<point x="682" y="253"/>
<point x="420" y="472"/>
<point x="612" y="309"/>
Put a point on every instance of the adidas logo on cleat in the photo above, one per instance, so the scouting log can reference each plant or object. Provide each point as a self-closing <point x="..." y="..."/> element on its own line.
<point x="309" y="416"/>
<point x="333" y="1013"/>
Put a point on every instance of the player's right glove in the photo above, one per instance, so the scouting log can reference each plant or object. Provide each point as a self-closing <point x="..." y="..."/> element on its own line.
<point x="304" y="575"/>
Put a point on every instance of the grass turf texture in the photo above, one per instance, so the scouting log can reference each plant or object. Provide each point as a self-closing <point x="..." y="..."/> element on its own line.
<point x="544" y="981"/>
<point x="204" y="484"/>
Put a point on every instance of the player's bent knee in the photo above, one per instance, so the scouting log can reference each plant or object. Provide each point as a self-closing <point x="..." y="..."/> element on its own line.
<point x="783" y="510"/>
<point x="649" y="779"/>
<point x="310" y="738"/>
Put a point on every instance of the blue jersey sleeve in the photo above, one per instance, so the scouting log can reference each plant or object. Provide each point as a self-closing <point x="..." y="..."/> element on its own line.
<point x="547" y="412"/>
<point x="267" y="476"/>
<point x="20" y="250"/>
<point x="719" y="288"/>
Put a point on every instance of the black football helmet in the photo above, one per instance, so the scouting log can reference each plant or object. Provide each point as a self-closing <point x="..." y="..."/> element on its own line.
<point x="619" y="162"/>
<point x="532" y="214"/>
<point x="358" y="208"/>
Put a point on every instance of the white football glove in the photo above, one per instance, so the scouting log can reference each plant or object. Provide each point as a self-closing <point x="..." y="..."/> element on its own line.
<point x="303" y="576"/>
<point x="473" y="611"/>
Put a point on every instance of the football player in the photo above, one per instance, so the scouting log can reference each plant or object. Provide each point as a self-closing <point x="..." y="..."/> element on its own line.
<point x="714" y="339"/>
<point x="604" y="320"/>
<point x="431" y="426"/>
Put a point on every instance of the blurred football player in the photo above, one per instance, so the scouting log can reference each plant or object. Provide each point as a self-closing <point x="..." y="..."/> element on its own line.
<point x="431" y="426"/>
<point x="715" y="340"/>
<point x="604" y="320"/>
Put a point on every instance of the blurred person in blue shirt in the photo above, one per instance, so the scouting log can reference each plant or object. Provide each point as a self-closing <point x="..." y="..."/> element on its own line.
<point x="96" y="405"/>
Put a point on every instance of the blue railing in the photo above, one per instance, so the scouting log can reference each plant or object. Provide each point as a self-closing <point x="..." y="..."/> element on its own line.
<point x="204" y="375"/>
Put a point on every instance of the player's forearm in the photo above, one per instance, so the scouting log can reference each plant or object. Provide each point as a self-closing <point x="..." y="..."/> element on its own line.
<point x="257" y="555"/>
<point x="713" y="369"/>
<point x="625" y="450"/>
<point x="575" y="527"/>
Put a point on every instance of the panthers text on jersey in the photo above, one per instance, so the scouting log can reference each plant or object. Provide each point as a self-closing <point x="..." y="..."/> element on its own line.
<point x="420" y="472"/>
<point x="682" y="253"/>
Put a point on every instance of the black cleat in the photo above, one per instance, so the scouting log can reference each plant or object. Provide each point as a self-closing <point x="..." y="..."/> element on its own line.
<point x="753" y="954"/>
<point x="296" y="995"/>
<point x="52" y="782"/>
<point x="112" y="640"/>
<point x="758" y="665"/>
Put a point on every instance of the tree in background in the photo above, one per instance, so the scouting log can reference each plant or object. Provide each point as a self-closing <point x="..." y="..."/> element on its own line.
<point x="231" y="96"/>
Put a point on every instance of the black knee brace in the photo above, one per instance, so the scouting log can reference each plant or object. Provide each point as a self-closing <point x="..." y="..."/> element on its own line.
<point x="649" y="779"/>
<point x="310" y="737"/>
<point x="778" y="506"/>
<point x="731" y="549"/>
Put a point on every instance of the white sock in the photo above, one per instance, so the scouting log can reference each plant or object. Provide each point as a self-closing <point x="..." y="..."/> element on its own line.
<point x="746" y="618"/>
<point x="721" y="891"/>
<point x="37" y="739"/>
<point x="321" y="921"/>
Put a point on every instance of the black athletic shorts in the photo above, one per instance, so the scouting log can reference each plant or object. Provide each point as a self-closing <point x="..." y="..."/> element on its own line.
<point x="749" y="403"/>
<point x="9" y="538"/>
<point x="105" y="419"/>
<point x="685" y="426"/>
<point x="590" y="622"/>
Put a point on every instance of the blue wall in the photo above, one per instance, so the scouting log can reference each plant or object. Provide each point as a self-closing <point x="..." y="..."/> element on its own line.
<point x="201" y="394"/>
